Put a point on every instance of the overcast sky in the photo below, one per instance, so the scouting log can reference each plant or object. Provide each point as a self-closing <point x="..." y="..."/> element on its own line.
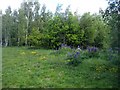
<point x="81" y="6"/>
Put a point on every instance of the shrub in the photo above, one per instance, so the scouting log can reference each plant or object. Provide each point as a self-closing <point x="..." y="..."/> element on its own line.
<point x="64" y="49"/>
<point x="73" y="58"/>
<point x="112" y="55"/>
<point x="92" y="52"/>
<point x="84" y="54"/>
<point x="35" y="38"/>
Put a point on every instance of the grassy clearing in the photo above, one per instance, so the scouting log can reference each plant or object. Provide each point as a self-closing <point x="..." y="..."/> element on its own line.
<point x="26" y="68"/>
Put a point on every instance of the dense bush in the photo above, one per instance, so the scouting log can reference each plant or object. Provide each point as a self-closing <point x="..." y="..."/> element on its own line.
<point x="92" y="52"/>
<point x="34" y="38"/>
<point x="111" y="55"/>
<point x="73" y="58"/>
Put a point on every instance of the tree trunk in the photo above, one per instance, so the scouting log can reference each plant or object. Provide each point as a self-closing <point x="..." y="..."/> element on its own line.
<point x="9" y="40"/>
<point x="6" y="38"/>
<point x="6" y="41"/>
<point x="18" y="41"/>
<point x="26" y="35"/>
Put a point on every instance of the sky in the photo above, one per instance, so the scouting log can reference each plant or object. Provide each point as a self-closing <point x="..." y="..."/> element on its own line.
<point x="81" y="6"/>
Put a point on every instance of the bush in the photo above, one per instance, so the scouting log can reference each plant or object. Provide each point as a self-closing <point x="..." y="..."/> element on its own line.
<point x="112" y="55"/>
<point x="35" y="38"/>
<point x="73" y="58"/>
<point x="84" y="54"/>
<point x="92" y="52"/>
<point x="64" y="49"/>
<point x="77" y="56"/>
<point x="108" y="54"/>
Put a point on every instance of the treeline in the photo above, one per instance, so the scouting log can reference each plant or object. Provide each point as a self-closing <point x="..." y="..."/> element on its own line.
<point x="33" y="25"/>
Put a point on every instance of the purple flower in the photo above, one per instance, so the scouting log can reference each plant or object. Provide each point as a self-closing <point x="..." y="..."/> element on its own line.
<point x="92" y="49"/>
<point x="89" y="49"/>
<point x="96" y="49"/>
<point x="62" y="45"/>
<point x="76" y="54"/>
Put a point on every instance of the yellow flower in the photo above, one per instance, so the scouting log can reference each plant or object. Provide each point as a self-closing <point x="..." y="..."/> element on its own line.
<point x="43" y="58"/>
<point x="23" y="53"/>
<point x="68" y="60"/>
<point x="29" y="70"/>
<point x="34" y="53"/>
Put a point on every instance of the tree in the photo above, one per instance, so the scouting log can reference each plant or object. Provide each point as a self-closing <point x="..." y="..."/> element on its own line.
<point x="112" y="16"/>
<point x="87" y="28"/>
<point x="31" y="25"/>
<point x="36" y="18"/>
<point x="27" y="7"/>
<point x="7" y="24"/>
<point x="35" y="37"/>
<point x="14" y="31"/>
<point x="94" y="31"/>
<point x="21" y="27"/>
<point x="0" y="28"/>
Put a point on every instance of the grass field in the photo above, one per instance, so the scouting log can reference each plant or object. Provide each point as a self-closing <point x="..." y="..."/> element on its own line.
<point x="29" y="68"/>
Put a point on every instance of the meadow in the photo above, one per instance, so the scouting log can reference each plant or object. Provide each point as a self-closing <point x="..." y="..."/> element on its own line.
<point x="40" y="68"/>
<point x="63" y="48"/>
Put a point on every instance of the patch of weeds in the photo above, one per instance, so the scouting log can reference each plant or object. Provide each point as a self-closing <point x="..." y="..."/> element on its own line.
<point x="110" y="55"/>
<point x="64" y="49"/>
<point x="92" y="52"/>
<point x="73" y="58"/>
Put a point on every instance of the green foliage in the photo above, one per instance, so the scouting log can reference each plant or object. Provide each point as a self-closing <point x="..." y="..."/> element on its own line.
<point x="112" y="16"/>
<point x="95" y="31"/>
<point x="73" y="58"/>
<point x="35" y="38"/>
<point x="92" y="54"/>
<point x="110" y="55"/>
<point x="62" y="51"/>
<point x="48" y="30"/>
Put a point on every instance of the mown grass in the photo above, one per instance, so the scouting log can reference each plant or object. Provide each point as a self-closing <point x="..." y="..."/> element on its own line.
<point x="29" y="68"/>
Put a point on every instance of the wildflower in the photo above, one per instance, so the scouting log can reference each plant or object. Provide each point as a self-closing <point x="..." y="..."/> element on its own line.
<point x="62" y="45"/>
<point x="89" y="49"/>
<point x="29" y="70"/>
<point x="76" y="54"/>
<point x="92" y="49"/>
<point x="95" y="49"/>
<point x="43" y="58"/>
<point x="23" y="53"/>
<point x="34" y="53"/>
<point x="68" y="60"/>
